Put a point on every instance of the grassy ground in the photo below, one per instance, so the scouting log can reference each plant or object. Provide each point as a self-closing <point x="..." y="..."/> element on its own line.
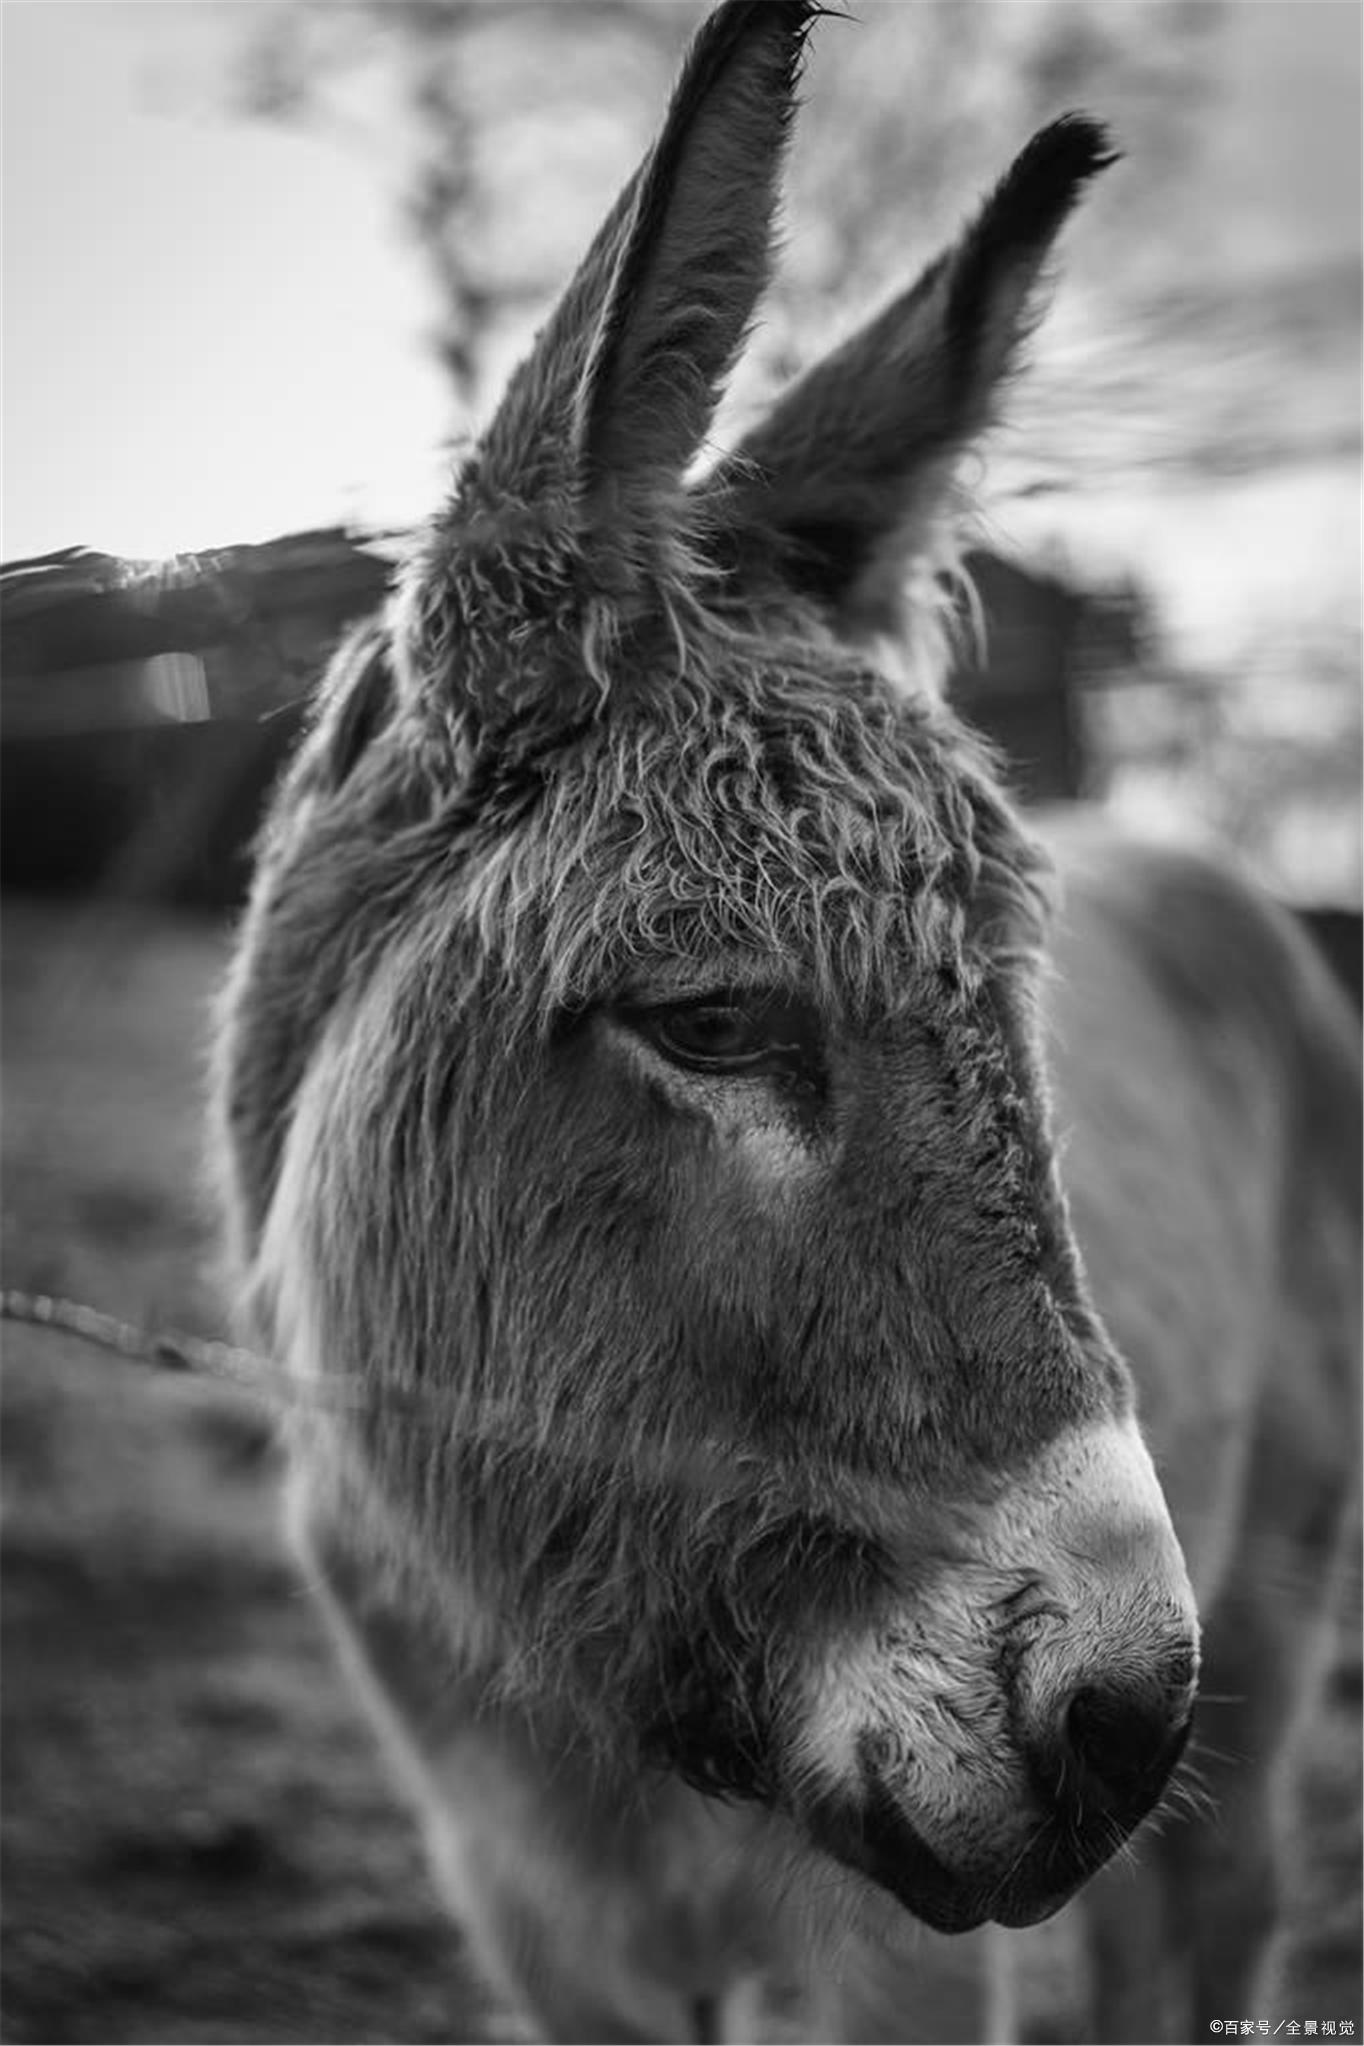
<point x="199" y="1841"/>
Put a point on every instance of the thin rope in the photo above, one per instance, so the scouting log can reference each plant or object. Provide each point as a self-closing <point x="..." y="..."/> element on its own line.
<point x="174" y="1352"/>
<point x="695" y="1468"/>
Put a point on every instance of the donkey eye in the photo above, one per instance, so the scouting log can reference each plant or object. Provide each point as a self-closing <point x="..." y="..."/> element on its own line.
<point x="727" y="1034"/>
<point x="715" y="1035"/>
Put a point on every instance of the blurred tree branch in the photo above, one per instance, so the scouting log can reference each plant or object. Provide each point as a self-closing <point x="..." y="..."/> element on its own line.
<point x="515" y="122"/>
<point x="458" y="74"/>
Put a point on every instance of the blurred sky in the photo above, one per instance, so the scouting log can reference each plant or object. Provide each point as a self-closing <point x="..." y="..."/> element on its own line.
<point x="212" y="331"/>
<point x="214" y="334"/>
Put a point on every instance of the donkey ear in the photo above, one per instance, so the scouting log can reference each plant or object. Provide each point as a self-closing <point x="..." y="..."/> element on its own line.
<point x="697" y="253"/>
<point x="840" y="483"/>
<point x="577" y="484"/>
<point x="623" y="380"/>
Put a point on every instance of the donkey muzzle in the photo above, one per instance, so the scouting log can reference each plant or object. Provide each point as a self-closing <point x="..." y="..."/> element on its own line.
<point x="995" y="1737"/>
<point x="1106" y="1770"/>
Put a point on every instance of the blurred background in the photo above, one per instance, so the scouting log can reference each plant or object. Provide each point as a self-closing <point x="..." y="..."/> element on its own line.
<point x="266" y="267"/>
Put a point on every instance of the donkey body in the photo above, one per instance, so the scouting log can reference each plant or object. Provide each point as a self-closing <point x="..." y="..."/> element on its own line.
<point x="639" y="1076"/>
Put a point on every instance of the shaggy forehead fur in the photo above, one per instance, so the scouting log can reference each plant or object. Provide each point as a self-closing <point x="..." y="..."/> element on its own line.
<point x="738" y="806"/>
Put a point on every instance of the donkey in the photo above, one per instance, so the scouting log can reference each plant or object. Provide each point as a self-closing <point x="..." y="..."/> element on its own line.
<point x="730" y="1205"/>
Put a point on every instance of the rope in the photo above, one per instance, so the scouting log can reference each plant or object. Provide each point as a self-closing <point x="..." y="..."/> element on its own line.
<point x="173" y="1351"/>
<point x="179" y="1354"/>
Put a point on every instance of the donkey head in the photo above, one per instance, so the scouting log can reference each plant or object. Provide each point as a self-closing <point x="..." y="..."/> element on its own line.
<point x="631" y="1072"/>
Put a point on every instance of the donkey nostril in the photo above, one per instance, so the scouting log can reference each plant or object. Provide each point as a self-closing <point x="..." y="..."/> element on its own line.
<point x="1124" y="1742"/>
